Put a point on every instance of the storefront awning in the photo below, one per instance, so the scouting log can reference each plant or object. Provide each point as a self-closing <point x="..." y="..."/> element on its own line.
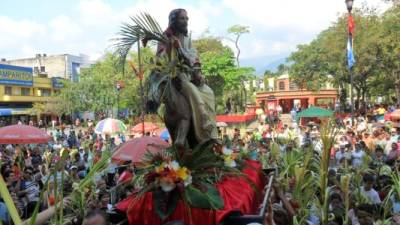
<point x="14" y="111"/>
<point x="5" y="112"/>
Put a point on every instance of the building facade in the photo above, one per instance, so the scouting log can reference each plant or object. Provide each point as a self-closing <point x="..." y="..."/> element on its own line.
<point x="65" y="66"/>
<point x="281" y="91"/>
<point x="20" y="90"/>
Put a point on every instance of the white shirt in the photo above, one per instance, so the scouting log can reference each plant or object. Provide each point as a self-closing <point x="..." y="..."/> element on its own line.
<point x="317" y="146"/>
<point x="357" y="158"/>
<point x="361" y="126"/>
<point x="388" y="147"/>
<point x="372" y="195"/>
<point x="353" y="217"/>
<point x="57" y="146"/>
<point x="339" y="155"/>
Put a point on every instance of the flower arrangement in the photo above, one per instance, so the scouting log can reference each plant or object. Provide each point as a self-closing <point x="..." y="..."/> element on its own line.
<point x="189" y="176"/>
<point x="229" y="157"/>
<point x="170" y="175"/>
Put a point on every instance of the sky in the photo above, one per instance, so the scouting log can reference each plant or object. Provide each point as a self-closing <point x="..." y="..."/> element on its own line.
<point x="28" y="27"/>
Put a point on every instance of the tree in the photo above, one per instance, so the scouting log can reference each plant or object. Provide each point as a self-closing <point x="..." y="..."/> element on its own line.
<point x="96" y="90"/>
<point x="219" y="69"/>
<point x="209" y="44"/>
<point x="282" y="68"/>
<point x="221" y="73"/>
<point x="389" y="49"/>
<point x="238" y="31"/>
<point x="38" y="108"/>
<point x="312" y="63"/>
<point x="269" y="73"/>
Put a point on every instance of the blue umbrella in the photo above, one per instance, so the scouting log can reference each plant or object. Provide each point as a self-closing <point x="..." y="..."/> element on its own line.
<point x="165" y="135"/>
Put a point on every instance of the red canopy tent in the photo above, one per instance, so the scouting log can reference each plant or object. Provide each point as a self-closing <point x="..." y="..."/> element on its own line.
<point x="23" y="134"/>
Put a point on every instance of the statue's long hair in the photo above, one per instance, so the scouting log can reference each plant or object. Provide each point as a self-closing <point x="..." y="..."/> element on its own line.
<point x="172" y="22"/>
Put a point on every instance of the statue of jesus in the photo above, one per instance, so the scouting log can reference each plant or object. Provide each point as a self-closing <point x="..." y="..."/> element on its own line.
<point x="199" y="95"/>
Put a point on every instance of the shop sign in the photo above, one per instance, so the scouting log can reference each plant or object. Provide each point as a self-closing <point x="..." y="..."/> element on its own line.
<point x="16" y="75"/>
<point x="57" y="82"/>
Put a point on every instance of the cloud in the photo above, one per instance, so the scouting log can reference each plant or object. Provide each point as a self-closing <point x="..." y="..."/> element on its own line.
<point x="28" y="50"/>
<point x="95" y="13"/>
<point x="87" y="27"/>
<point x="307" y="15"/>
<point x="15" y="32"/>
<point x="277" y="27"/>
<point x="198" y="16"/>
<point x="63" y="28"/>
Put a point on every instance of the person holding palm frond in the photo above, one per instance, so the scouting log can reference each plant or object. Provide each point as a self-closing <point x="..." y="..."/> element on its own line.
<point x="175" y="77"/>
<point x="199" y="95"/>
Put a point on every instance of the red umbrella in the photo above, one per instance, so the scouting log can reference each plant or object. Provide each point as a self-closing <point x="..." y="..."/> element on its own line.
<point x="134" y="149"/>
<point x="148" y="127"/>
<point x="23" y="134"/>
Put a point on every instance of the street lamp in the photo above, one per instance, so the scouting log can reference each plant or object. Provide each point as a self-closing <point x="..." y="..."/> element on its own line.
<point x="349" y="5"/>
<point x="118" y="87"/>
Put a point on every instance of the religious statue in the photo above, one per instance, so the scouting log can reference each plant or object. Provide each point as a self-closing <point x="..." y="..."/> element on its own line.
<point x="189" y="102"/>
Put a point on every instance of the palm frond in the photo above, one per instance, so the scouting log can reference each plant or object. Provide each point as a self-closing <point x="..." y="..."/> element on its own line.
<point x="5" y="194"/>
<point x="143" y="27"/>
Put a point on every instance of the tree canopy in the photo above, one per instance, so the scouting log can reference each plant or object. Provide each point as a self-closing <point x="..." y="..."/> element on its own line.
<point x="376" y="49"/>
<point x="96" y="90"/>
<point x="220" y="70"/>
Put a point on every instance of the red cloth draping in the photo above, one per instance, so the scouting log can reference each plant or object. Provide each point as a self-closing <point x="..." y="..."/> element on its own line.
<point x="237" y="193"/>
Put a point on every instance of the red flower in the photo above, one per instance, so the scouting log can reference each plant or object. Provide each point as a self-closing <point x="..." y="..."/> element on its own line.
<point x="294" y="204"/>
<point x="157" y="159"/>
<point x="150" y="177"/>
<point x="217" y="148"/>
<point x="292" y="182"/>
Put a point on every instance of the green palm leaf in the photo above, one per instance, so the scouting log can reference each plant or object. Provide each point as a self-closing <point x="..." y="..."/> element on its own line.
<point x="206" y="199"/>
<point x="5" y="194"/>
<point x="142" y="26"/>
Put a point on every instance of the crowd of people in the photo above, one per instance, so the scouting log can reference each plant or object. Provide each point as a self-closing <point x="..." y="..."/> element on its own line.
<point x="28" y="170"/>
<point x="367" y="148"/>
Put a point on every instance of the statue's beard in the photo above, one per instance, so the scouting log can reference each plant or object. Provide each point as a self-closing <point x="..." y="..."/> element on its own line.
<point x="181" y="30"/>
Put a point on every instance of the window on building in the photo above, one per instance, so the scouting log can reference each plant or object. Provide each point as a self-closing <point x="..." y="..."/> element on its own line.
<point x="8" y="90"/>
<point x="325" y="102"/>
<point x="36" y="70"/>
<point x="25" y="91"/>
<point x="44" y="92"/>
<point x="42" y="69"/>
<point x="75" y="72"/>
<point x="281" y="85"/>
<point x="293" y="86"/>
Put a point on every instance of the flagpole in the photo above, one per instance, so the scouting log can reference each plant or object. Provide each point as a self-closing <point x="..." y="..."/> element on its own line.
<point x="351" y="97"/>
<point x="349" y="4"/>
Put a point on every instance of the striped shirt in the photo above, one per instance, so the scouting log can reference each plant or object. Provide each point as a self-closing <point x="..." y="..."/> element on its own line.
<point x="33" y="190"/>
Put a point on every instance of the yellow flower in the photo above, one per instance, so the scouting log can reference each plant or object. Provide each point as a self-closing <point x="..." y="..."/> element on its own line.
<point x="182" y="173"/>
<point x="160" y="168"/>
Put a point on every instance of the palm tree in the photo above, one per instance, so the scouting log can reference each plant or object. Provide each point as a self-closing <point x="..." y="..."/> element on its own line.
<point x="38" y="108"/>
